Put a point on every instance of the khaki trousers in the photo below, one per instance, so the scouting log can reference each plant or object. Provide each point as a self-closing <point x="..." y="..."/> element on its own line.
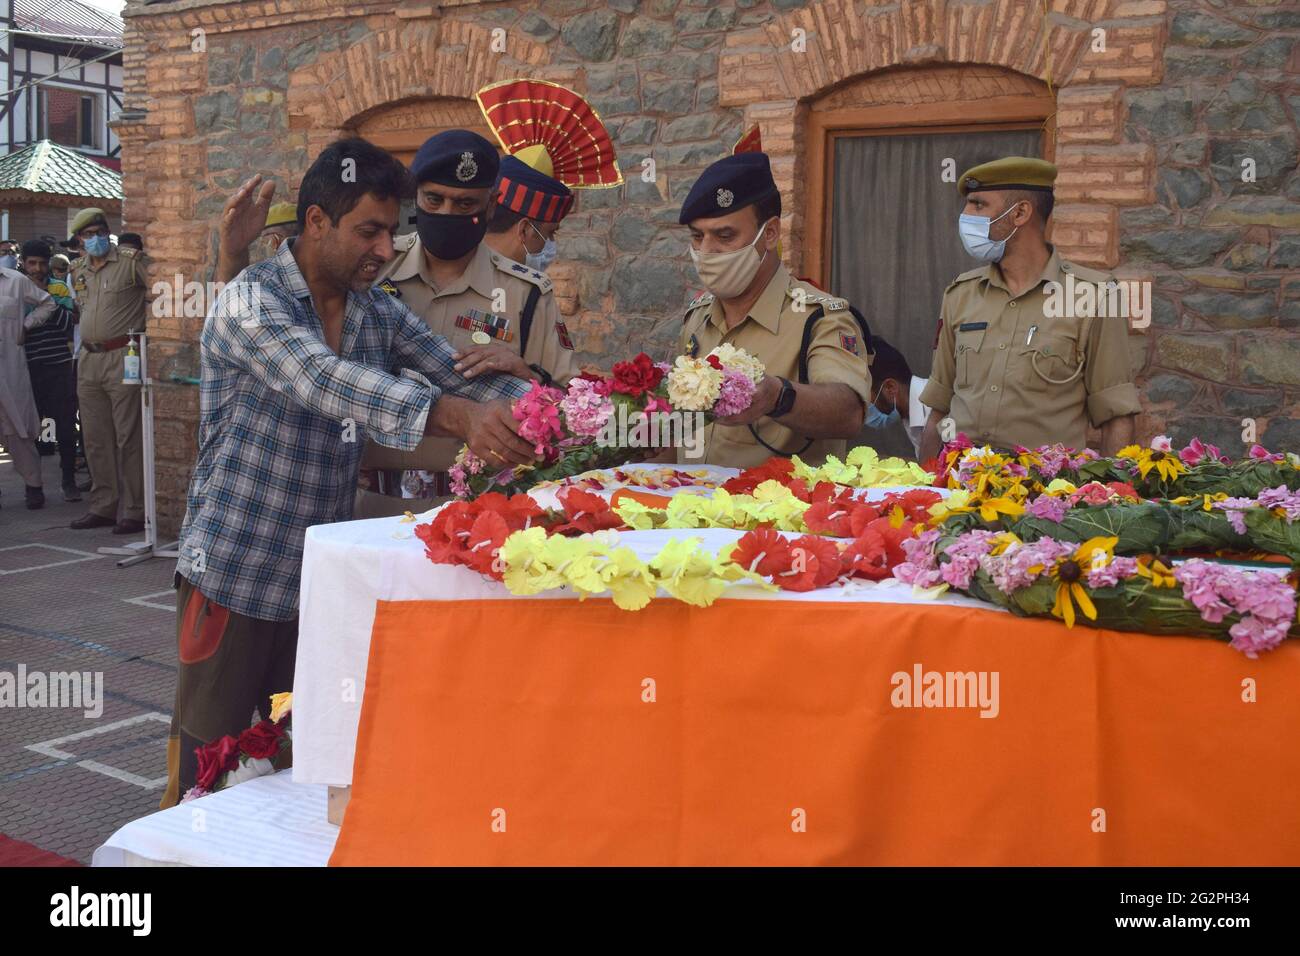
<point x="111" y="430"/>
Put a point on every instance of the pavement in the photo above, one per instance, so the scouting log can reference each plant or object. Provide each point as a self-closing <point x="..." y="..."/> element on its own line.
<point x="68" y="780"/>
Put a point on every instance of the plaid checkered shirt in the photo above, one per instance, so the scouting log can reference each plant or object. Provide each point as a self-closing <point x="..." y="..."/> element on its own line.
<point x="283" y="420"/>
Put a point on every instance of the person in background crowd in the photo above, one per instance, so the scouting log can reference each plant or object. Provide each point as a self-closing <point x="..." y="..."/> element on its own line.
<point x="281" y="224"/>
<point x="733" y="212"/>
<point x="898" y="394"/>
<point x="131" y="239"/>
<point x="111" y="285"/>
<point x="327" y="355"/>
<point x="1006" y="371"/>
<point x="19" y="422"/>
<point x="8" y="254"/>
<point x="49" y="363"/>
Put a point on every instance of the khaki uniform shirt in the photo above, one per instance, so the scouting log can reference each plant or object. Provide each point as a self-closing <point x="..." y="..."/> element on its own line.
<point x="111" y="295"/>
<point x="773" y="332"/>
<point x="464" y="307"/>
<point x="1010" y="371"/>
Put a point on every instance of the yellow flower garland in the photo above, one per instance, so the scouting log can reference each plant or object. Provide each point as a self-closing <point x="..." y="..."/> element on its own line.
<point x="532" y="561"/>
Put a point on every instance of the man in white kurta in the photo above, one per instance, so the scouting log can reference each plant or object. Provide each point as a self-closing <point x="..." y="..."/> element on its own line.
<point x="23" y="305"/>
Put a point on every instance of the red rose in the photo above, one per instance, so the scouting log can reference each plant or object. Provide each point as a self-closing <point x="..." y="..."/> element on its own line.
<point x="261" y="741"/>
<point x="637" y="377"/>
<point x="714" y="361"/>
<point x="216" y="758"/>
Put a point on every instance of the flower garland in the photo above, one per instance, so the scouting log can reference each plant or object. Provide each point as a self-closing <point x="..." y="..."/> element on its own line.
<point x="531" y="549"/>
<point x="861" y="468"/>
<point x="1158" y="471"/>
<point x="577" y="429"/>
<point x="1254" y="610"/>
<point x="229" y="760"/>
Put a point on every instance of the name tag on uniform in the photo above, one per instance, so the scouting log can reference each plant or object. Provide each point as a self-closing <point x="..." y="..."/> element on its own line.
<point x="494" y="325"/>
<point x="972" y="326"/>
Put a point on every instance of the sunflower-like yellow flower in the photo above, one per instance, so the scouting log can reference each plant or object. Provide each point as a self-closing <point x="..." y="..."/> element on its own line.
<point x="1165" y="463"/>
<point x="1068" y="572"/>
<point x="1154" y="570"/>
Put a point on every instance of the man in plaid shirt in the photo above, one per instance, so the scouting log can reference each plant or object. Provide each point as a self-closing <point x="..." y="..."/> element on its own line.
<point x="301" y="362"/>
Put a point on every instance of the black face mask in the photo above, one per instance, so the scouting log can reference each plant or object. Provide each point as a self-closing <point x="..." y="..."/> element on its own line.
<point x="450" y="237"/>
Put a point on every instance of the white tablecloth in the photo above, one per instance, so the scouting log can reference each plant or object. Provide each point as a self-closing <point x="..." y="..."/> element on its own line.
<point x="347" y="567"/>
<point x="267" y="821"/>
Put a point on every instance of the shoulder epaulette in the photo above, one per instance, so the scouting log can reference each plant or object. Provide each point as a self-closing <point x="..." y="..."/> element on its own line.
<point x="1085" y="274"/>
<point x="704" y="298"/>
<point x="521" y="271"/>
<point x="977" y="273"/>
<point x="129" y="251"/>
<point x="404" y="243"/>
<point x="816" y="296"/>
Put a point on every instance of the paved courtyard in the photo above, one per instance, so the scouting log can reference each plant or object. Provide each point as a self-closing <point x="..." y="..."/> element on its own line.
<point x="67" y="781"/>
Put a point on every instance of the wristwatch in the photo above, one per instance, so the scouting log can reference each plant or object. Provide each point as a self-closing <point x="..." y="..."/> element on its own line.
<point x="784" y="401"/>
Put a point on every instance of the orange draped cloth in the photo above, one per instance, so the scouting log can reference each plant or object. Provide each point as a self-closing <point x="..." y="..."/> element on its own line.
<point x="532" y="732"/>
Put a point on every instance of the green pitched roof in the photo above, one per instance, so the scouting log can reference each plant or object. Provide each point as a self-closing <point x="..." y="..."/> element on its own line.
<point x="47" y="167"/>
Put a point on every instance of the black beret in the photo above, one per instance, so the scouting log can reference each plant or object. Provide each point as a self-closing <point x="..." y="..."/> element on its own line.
<point x="456" y="157"/>
<point x="731" y="183"/>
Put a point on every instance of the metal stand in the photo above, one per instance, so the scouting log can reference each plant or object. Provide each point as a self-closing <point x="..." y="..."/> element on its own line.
<point x="138" y="551"/>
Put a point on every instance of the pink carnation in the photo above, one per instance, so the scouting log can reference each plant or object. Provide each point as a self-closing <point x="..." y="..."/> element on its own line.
<point x="922" y="565"/>
<point x="538" y="414"/>
<point x="736" y="394"/>
<point x="586" y="408"/>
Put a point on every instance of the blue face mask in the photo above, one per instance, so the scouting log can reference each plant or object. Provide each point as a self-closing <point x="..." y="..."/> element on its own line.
<point x="9" y="262"/>
<point x="974" y="232"/>
<point x="541" y="260"/>
<point x="96" y="246"/>
<point x="878" y="419"/>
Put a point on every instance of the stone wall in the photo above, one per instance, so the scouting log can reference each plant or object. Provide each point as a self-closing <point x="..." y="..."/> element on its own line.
<point x="1149" y="133"/>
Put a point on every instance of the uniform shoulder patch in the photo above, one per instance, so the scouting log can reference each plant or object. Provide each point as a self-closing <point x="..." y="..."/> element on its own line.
<point x="849" y="343"/>
<point x="386" y="285"/>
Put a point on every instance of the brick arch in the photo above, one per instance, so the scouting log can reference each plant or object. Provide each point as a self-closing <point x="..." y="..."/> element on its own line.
<point x="775" y="71"/>
<point x="401" y="65"/>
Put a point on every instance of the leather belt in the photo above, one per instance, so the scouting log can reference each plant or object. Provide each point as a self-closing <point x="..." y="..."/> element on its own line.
<point x="112" y="345"/>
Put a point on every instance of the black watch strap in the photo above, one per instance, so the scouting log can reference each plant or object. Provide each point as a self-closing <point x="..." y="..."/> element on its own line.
<point x="784" y="401"/>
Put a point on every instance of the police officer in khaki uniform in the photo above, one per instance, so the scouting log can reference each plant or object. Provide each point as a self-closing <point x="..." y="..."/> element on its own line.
<point x="1009" y="369"/>
<point x="818" y="383"/>
<point x="481" y="301"/>
<point x="110" y="283"/>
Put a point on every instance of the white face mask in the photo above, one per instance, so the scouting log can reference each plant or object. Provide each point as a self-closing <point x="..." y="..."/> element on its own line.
<point x="727" y="274"/>
<point x="974" y="232"/>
